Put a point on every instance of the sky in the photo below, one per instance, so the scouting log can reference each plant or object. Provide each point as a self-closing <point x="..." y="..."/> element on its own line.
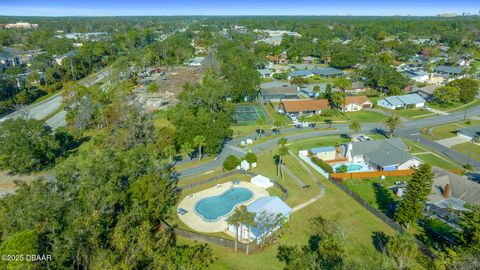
<point x="236" y="7"/>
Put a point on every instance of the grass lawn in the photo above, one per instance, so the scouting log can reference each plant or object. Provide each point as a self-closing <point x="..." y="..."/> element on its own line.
<point x="449" y="130"/>
<point x="366" y="117"/>
<point x="194" y="163"/>
<point x="413" y="113"/>
<point x="303" y="144"/>
<point x="360" y="224"/>
<point x="275" y="116"/>
<point x="42" y="98"/>
<point x="469" y="149"/>
<point x="452" y="107"/>
<point x="436" y="161"/>
<point x="315" y="79"/>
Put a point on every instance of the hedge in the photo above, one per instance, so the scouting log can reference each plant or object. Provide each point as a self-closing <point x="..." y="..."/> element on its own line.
<point x="325" y="166"/>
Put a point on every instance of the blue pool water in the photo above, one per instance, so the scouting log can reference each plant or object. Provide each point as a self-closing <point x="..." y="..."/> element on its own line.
<point x="215" y="207"/>
<point x="354" y="167"/>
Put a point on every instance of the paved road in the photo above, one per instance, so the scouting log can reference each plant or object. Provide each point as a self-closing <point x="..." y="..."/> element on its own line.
<point x="409" y="129"/>
<point x="38" y="110"/>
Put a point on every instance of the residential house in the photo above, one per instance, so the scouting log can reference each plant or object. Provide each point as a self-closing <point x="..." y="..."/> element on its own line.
<point x="401" y="102"/>
<point x="304" y="107"/>
<point x="469" y="132"/>
<point x="196" y="61"/>
<point x="265" y="73"/>
<point x="309" y="59"/>
<point x="382" y="155"/>
<point x="356" y="103"/>
<point x="324" y="153"/>
<point x="323" y="72"/>
<point x="308" y="90"/>
<point x="21" y="25"/>
<point x="436" y="79"/>
<point x="279" y="93"/>
<point x="425" y="92"/>
<point x="357" y="87"/>
<point x="449" y="70"/>
<point x="9" y="58"/>
<point x="270" y="205"/>
<point x="59" y="58"/>
<point x="417" y="75"/>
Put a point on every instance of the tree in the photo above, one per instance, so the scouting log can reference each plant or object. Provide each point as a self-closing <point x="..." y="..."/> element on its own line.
<point x="266" y="224"/>
<point x="403" y="249"/>
<point x="248" y="220"/>
<point x="235" y="220"/>
<point x="250" y="157"/>
<point x="186" y="149"/>
<point x="261" y="123"/>
<point x="298" y="81"/>
<point x="316" y="90"/>
<point x="343" y="84"/>
<point x="467" y="89"/>
<point x="446" y="95"/>
<point x="170" y="152"/>
<point x="199" y="141"/>
<point x="355" y="126"/>
<point x="231" y="162"/>
<point x="282" y="151"/>
<point x="23" y="242"/>
<point x="392" y="123"/>
<point x="410" y="208"/>
<point x="26" y="145"/>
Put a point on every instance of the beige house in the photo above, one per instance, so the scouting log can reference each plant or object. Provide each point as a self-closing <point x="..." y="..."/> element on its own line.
<point x="324" y="153"/>
<point x="357" y="103"/>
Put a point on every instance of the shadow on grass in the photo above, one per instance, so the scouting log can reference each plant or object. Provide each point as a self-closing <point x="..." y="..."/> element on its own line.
<point x="384" y="199"/>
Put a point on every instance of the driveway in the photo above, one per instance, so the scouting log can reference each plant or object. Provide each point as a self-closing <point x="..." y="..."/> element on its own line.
<point x="449" y="142"/>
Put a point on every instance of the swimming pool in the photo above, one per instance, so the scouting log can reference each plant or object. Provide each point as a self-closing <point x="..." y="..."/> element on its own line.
<point x="213" y="208"/>
<point x="354" y="167"/>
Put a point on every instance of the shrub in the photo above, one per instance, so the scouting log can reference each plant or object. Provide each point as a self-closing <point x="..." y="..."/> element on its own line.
<point x="342" y="168"/>
<point x="231" y="162"/>
<point x="250" y="157"/>
<point x="322" y="164"/>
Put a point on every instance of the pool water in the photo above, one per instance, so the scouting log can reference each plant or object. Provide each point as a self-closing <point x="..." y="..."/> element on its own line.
<point x="353" y="167"/>
<point x="215" y="207"/>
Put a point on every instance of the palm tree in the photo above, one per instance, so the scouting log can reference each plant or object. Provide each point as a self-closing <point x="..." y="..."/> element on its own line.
<point x="199" y="141"/>
<point x="235" y="220"/>
<point x="249" y="221"/>
<point x="392" y="123"/>
<point x="261" y="123"/>
<point x="169" y="151"/>
<point x="355" y="126"/>
<point x="282" y="151"/>
<point x="186" y="149"/>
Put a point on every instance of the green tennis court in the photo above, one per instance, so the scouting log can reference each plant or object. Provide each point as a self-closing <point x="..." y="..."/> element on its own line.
<point x="248" y="114"/>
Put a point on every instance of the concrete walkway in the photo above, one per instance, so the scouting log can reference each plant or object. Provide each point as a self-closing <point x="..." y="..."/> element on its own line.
<point x="293" y="176"/>
<point x="438" y="111"/>
<point x="449" y="142"/>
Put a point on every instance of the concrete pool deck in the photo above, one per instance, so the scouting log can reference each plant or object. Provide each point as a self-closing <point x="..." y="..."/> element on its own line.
<point x="195" y="222"/>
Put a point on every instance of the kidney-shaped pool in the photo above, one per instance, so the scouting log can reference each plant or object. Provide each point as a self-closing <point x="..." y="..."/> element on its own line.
<point x="215" y="207"/>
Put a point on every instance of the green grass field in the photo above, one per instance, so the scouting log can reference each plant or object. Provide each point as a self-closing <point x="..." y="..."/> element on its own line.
<point x="469" y="149"/>
<point x="376" y="191"/>
<point x="361" y="116"/>
<point x="413" y="113"/>
<point x="436" y="161"/>
<point x="449" y="130"/>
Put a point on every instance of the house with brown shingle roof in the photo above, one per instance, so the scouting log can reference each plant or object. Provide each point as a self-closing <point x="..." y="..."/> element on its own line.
<point x="357" y="103"/>
<point x="303" y="107"/>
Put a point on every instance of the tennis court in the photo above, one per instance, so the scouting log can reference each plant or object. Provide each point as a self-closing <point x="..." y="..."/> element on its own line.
<point x="248" y="114"/>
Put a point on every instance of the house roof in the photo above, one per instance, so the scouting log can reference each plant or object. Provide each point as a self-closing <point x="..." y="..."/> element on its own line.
<point x="264" y="71"/>
<point x="279" y="90"/>
<point x="405" y="100"/>
<point x="356" y="100"/>
<point x="270" y="204"/>
<point x="470" y="131"/>
<point x="427" y="89"/>
<point x="449" y="69"/>
<point x="358" y="85"/>
<point x="460" y="187"/>
<point x="300" y="73"/>
<point x="322" y="149"/>
<point x="327" y="71"/>
<point x="305" y="105"/>
<point x="308" y="88"/>
<point x="384" y="153"/>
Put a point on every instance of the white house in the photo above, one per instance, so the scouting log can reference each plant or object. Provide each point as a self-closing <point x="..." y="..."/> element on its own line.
<point x="469" y="132"/>
<point x="401" y="102"/>
<point x="356" y="103"/>
<point x="324" y="153"/>
<point x="270" y="205"/>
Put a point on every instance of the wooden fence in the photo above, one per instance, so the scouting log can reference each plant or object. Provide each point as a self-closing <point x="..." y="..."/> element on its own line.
<point x="355" y="175"/>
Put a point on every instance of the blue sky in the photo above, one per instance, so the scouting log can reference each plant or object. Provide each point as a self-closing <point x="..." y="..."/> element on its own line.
<point x="232" y="7"/>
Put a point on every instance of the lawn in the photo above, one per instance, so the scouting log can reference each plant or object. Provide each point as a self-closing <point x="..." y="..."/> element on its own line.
<point x="274" y="115"/>
<point x="449" y="130"/>
<point x="469" y="149"/>
<point x="413" y="113"/>
<point x="452" y="107"/>
<point x="360" y="225"/>
<point x="376" y="191"/>
<point x="439" y="162"/>
<point x="304" y="144"/>
<point x="361" y="116"/>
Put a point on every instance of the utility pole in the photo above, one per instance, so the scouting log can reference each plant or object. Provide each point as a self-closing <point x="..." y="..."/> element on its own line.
<point x="465" y="114"/>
